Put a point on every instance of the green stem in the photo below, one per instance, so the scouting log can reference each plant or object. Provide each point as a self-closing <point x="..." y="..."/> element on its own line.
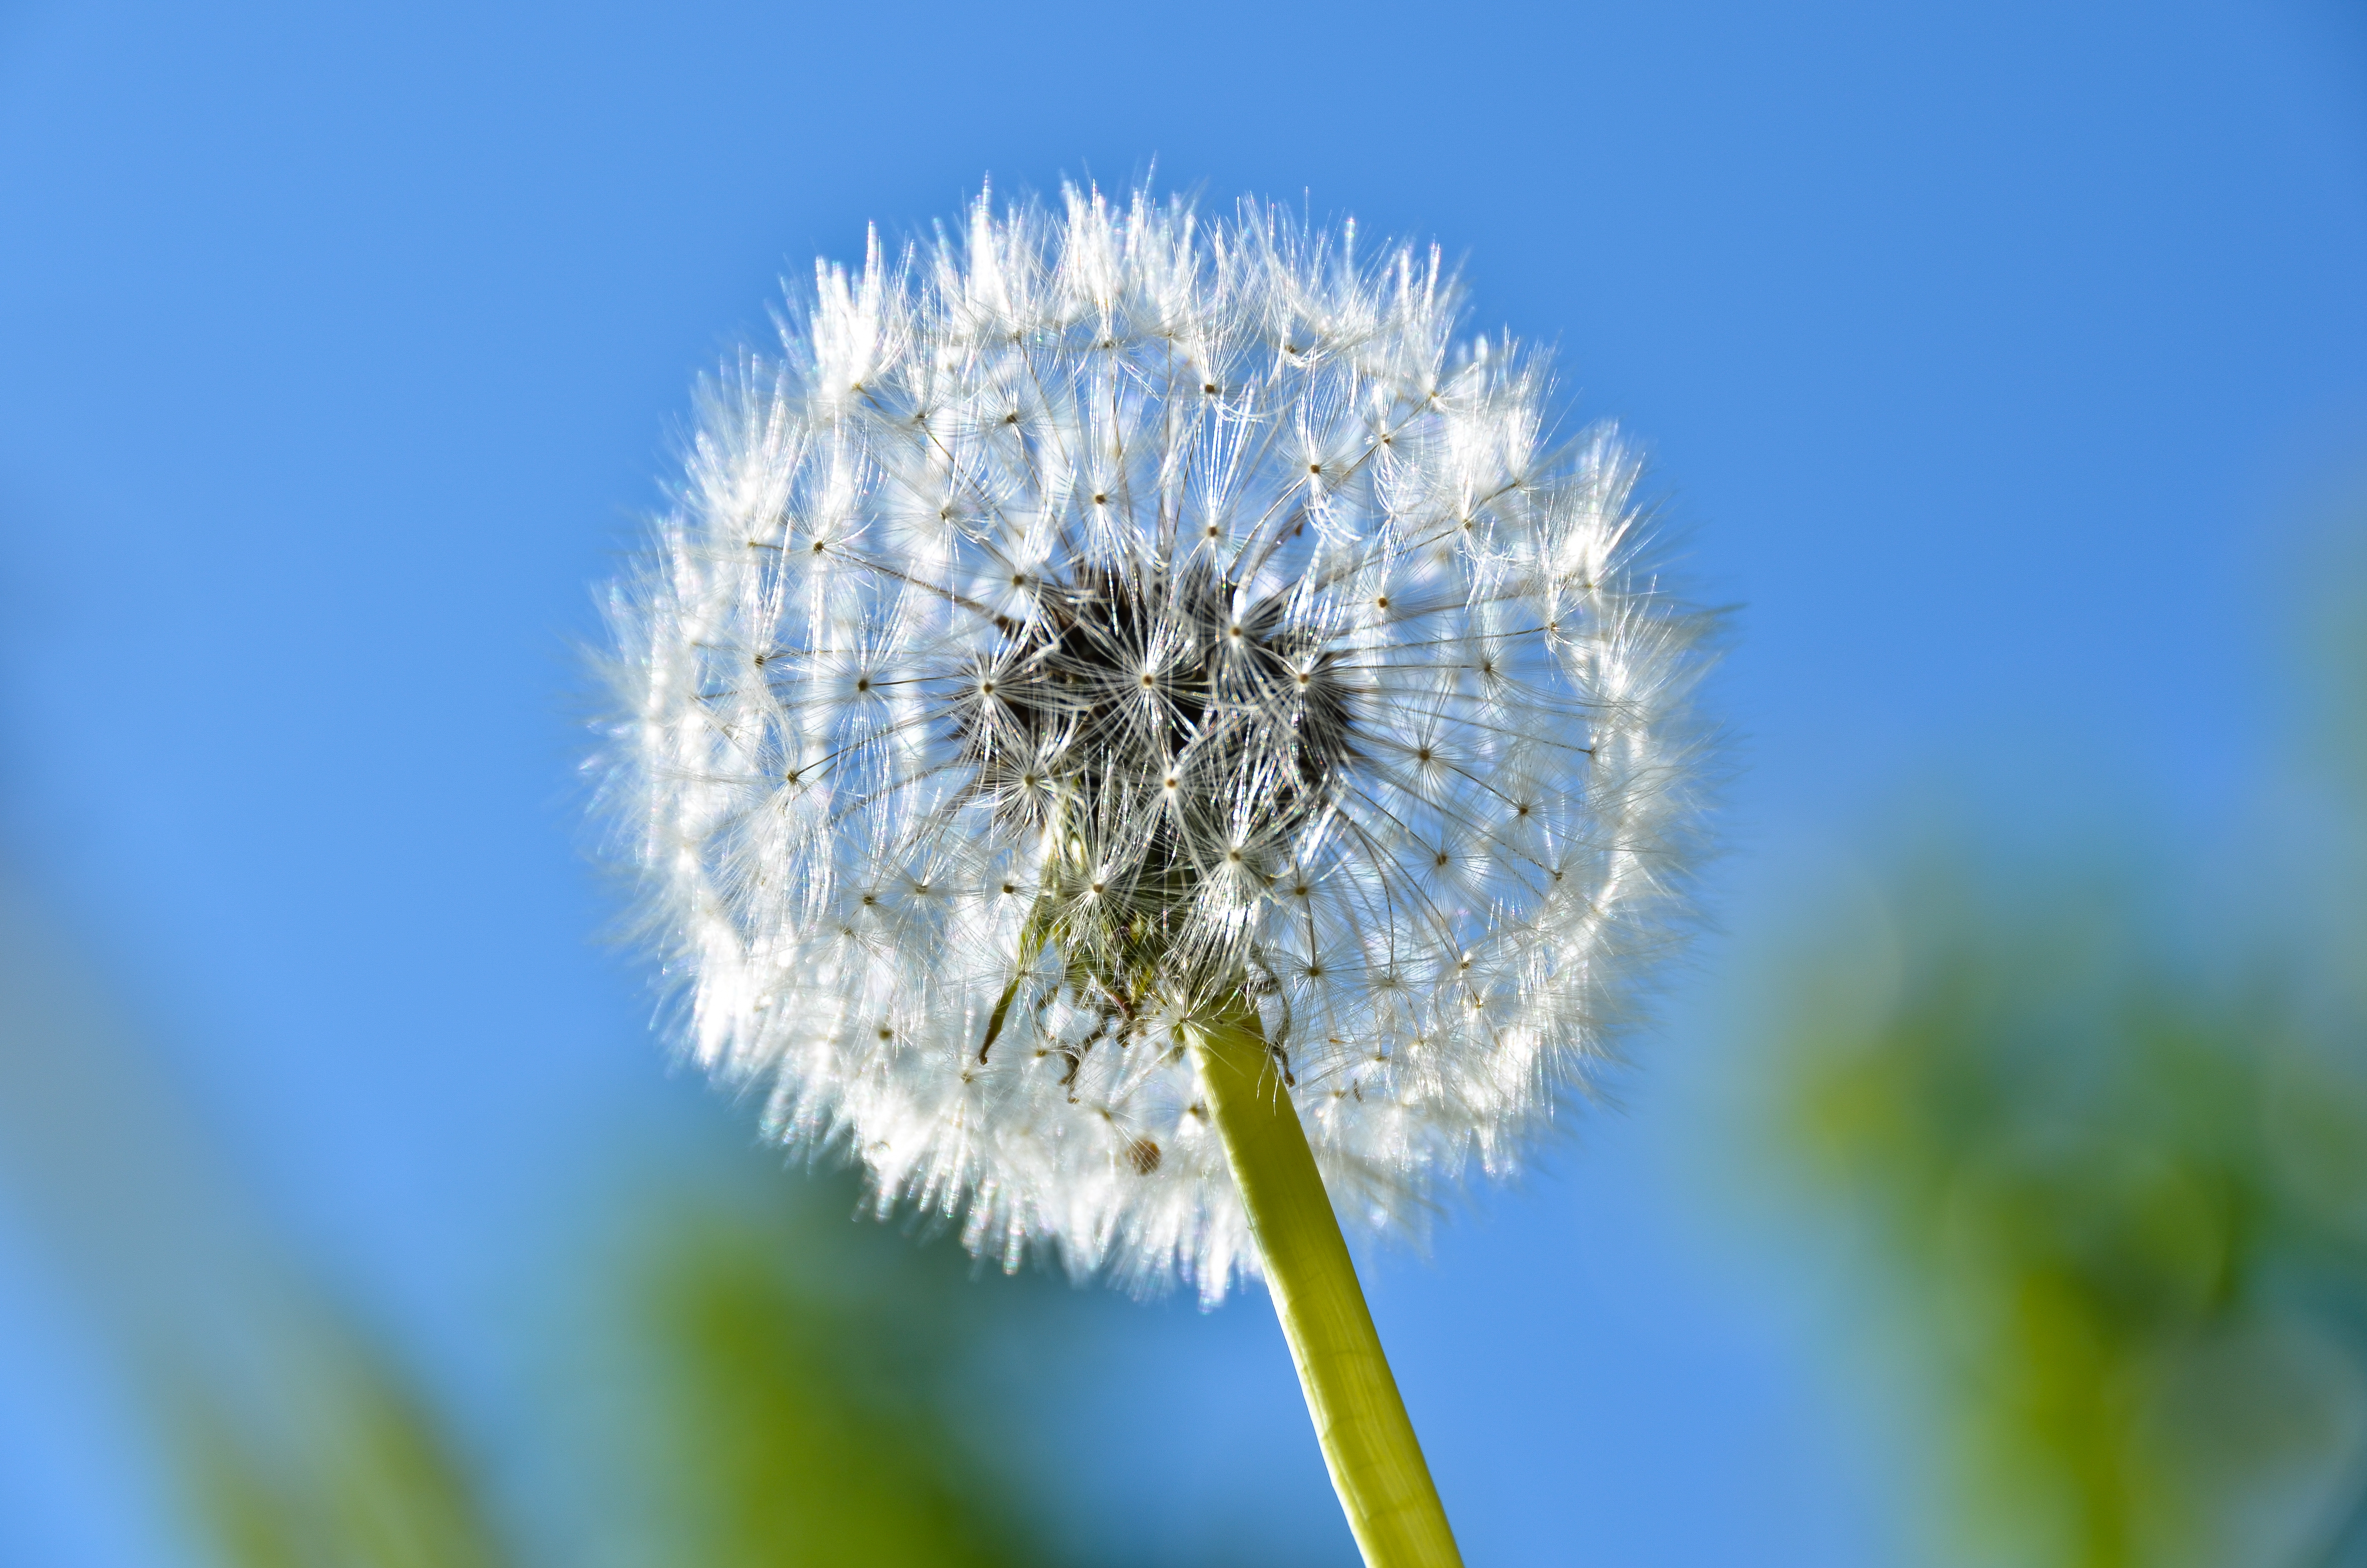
<point x="1368" y="1445"/>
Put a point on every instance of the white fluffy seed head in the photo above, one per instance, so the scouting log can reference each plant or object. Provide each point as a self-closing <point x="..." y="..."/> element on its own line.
<point x="1107" y="613"/>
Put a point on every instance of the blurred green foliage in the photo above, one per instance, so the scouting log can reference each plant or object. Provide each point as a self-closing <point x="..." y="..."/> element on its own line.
<point x="741" y="1374"/>
<point x="376" y="1485"/>
<point x="787" y="1389"/>
<point x="807" y="1393"/>
<point x="2110" y="1172"/>
<point x="2127" y="1214"/>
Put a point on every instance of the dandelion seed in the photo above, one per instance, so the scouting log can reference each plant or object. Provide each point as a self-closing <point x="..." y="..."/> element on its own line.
<point x="1215" y="639"/>
<point x="1482" y="783"/>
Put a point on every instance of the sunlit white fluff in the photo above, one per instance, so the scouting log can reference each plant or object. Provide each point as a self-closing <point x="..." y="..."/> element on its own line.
<point x="1104" y="612"/>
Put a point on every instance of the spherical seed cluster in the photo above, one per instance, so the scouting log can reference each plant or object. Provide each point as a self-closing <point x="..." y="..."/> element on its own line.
<point x="1106" y="616"/>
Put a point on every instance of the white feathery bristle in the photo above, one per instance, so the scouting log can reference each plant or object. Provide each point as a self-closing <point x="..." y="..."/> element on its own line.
<point x="1108" y="612"/>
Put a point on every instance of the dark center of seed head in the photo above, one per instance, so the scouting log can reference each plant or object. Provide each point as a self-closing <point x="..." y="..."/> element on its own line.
<point x="1249" y="707"/>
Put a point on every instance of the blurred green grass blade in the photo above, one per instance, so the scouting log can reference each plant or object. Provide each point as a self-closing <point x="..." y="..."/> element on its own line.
<point x="2118" y="1209"/>
<point x="296" y="1443"/>
<point x="802" y="1420"/>
<point x="347" y="1467"/>
<point x="375" y="1485"/>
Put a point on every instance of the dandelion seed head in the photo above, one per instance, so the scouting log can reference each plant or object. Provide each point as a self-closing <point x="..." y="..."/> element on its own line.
<point x="1102" y="614"/>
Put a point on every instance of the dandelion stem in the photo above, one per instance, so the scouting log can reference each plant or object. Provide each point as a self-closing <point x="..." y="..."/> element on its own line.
<point x="1368" y="1445"/>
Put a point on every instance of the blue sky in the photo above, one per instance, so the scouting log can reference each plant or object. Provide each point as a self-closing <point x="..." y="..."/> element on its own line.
<point x="1994" y="357"/>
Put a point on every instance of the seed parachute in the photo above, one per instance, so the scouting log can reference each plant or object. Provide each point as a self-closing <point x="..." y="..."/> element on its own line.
<point x="1103" y="616"/>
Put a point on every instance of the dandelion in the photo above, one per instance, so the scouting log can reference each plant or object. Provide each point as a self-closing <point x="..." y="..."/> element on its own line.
<point x="1139" y="739"/>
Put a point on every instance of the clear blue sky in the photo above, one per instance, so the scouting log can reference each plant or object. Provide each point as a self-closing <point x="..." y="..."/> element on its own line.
<point x="1990" y="353"/>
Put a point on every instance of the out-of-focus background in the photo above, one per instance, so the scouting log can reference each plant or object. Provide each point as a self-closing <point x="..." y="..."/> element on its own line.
<point x="1994" y="1191"/>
